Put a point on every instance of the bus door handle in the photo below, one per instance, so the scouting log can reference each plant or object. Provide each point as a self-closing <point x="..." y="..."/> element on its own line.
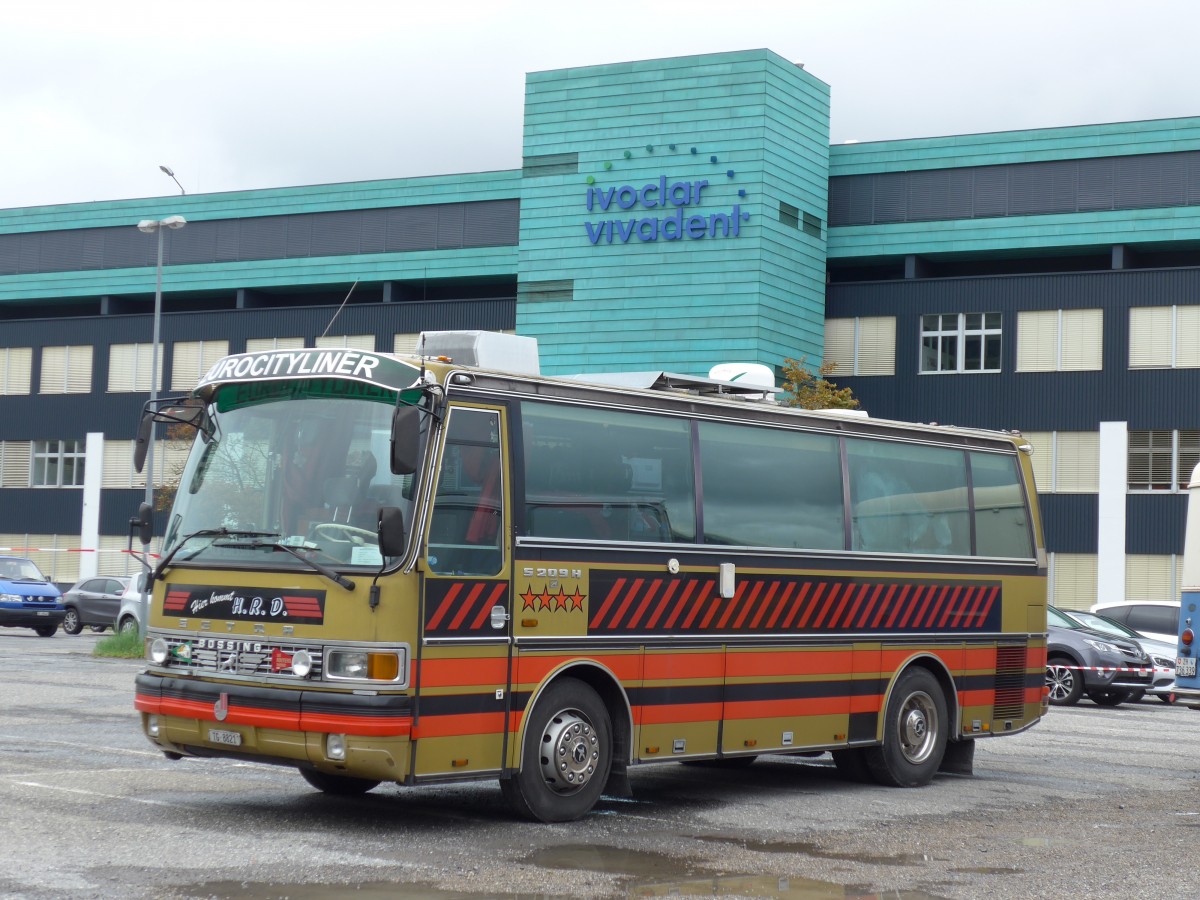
<point x="499" y="616"/>
<point x="725" y="579"/>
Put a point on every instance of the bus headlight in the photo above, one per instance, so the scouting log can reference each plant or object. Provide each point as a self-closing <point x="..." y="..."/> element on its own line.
<point x="354" y="664"/>
<point x="158" y="651"/>
<point x="302" y="663"/>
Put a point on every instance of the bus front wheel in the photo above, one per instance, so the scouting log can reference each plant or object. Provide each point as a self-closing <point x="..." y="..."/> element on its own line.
<point x="914" y="732"/>
<point x="566" y="755"/>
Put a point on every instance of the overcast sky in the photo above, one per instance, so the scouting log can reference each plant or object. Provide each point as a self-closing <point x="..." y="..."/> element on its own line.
<point x="97" y="95"/>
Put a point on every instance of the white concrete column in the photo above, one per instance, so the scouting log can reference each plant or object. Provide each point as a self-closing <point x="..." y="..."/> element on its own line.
<point x="1110" y="539"/>
<point x="89" y="526"/>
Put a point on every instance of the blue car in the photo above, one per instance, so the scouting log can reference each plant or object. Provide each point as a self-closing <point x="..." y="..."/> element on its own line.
<point x="27" y="598"/>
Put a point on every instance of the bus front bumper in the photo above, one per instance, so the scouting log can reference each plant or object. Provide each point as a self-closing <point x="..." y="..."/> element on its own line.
<point x="340" y="732"/>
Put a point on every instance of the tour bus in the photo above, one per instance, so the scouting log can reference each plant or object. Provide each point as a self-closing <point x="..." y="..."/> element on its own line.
<point x="1187" y="682"/>
<point x="449" y="567"/>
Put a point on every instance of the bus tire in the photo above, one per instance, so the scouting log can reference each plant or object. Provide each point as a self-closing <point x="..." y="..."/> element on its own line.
<point x="914" y="732"/>
<point x="341" y="785"/>
<point x="566" y="755"/>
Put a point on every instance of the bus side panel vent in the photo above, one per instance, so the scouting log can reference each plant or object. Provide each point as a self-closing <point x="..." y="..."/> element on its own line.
<point x="1010" y="682"/>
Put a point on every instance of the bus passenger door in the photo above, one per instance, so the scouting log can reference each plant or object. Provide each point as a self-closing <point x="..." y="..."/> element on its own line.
<point x="463" y="671"/>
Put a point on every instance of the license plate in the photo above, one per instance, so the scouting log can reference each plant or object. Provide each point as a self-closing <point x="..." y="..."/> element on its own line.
<point x="232" y="738"/>
<point x="1185" y="667"/>
<point x="43" y="612"/>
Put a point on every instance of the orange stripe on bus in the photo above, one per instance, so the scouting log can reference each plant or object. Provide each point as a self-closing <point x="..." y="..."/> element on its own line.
<point x="459" y="725"/>
<point x="690" y="712"/>
<point x="460" y="671"/>
<point x="667" y="666"/>
<point x="446" y="603"/>
<point x="763" y="663"/>
<point x="391" y="726"/>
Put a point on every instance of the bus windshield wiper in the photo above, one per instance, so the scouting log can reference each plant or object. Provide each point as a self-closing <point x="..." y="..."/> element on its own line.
<point x="340" y="580"/>
<point x="157" y="571"/>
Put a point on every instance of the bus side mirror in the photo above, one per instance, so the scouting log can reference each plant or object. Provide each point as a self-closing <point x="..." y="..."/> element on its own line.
<point x="391" y="531"/>
<point x="142" y="445"/>
<point x="143" y="523"/>
<point x="406" y="444"/>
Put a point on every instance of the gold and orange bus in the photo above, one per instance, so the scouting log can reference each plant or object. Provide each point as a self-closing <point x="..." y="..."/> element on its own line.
<point x="413" y="570"/>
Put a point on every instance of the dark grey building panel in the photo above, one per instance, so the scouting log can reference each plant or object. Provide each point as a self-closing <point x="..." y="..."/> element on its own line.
<point x="1069" y="522"/>
<point x="1020" y="189"/>
<point x="448" y="226"/>
<point x="1155" y="524"/>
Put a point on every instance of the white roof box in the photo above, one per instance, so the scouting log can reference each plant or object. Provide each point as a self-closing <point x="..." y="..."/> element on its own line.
<point x="744" y="373"/>
<point x="483" y="350"/>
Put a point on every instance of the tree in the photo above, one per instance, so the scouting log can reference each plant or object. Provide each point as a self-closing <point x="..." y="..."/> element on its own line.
<point x="809" y="390"/>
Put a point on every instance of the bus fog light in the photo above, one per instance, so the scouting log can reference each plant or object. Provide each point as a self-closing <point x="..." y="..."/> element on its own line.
<point x="152" y="726"/>
<point x="335" y="746"/>
<point x="158" y="651"/>
<point x="1187" y="637"/>
<point x="302" y="663"/>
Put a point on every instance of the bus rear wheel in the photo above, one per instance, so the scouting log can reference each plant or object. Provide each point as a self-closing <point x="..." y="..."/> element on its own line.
<point x="566" y="755"/>
<point x="914" y="732"/>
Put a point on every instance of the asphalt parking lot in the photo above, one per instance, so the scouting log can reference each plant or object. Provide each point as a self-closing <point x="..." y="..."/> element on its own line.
<point x="1091" y="803"/>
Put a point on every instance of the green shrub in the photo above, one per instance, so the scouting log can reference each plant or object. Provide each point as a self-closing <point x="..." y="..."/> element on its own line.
<point x="122" y="644"/>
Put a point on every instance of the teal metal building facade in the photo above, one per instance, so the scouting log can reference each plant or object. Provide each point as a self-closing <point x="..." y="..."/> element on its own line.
<point x="669" y="214"/>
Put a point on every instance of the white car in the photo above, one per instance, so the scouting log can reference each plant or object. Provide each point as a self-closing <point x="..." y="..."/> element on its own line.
<point x="1157" y="619"/>
<point x="129" y="616"/>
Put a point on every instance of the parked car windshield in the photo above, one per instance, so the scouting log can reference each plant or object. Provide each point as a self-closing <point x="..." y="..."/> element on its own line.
<point x="20" y="570"/>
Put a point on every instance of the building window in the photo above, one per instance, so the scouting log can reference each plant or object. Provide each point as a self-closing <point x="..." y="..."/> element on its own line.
<point x="1164" y="337"/>
<point x="861" y="346"/>
<point x="1073" y="580"/>
<point x="1153" y="577"/>
<point x="15" y="365"/>
<point x="348" y="341"/>
<point x="1060" y="340"/>
<point x="192" y="359"/>
<point x="57" y="463"/>
<point x="1065" y="462"/>
<point x="129" y="367"/>
<point x="14" y="464"/>
<point x="1162" y="460"/>
<point x="960" y="342"/>
<point x="66" y="370"/>
<point x="261" y="345"/>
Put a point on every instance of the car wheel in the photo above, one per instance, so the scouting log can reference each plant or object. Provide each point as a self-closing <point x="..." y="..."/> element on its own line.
<point x="1135" y="696"/>
<point x="46" y="630"/>
<point x="1108" y="698"/>
<point x="71" y="623"/>
<point x="914" y="732"/>
<point x="1064" y="681"/>
<point x="129" y="623"/>
<point x="567" y="754"/>
<point x="342" y="785"/>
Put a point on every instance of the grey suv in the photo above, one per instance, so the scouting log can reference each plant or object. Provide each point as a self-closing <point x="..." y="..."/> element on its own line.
<point x="1078" y="659"/>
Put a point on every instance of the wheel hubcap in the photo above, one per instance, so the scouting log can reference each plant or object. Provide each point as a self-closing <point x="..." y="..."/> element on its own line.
<point x="570" y="752"/>
<point x="1061" y="682"/>
<point x="918" y="727"/>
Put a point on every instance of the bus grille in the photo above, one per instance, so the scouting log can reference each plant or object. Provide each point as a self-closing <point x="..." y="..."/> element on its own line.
<point x="237" y="657"/>
<point x="1010" y="682"/>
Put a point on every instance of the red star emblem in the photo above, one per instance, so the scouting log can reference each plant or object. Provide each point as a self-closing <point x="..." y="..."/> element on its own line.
<point x="530" y="598"/>
<point x="577" y="600"/>
<point x="545" y="601"/>
<point x="560" y="601"/>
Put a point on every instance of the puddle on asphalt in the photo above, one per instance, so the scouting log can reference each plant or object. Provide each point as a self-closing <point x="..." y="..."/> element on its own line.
<point x="640" y="873"/>
<point x="715" y="886"/>
<point x="901" y="859"/>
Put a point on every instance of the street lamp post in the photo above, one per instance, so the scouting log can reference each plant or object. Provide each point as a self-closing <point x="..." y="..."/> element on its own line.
<point x="150" y="226"/>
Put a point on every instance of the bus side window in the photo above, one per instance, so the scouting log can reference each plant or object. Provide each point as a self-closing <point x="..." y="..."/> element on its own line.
<point x="466" y="528"/>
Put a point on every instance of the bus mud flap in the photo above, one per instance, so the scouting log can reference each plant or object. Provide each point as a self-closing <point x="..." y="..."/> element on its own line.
<point x="959" y="758"/>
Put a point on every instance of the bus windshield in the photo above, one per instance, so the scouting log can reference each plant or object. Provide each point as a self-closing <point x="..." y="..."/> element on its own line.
<point x="309" y="471"/>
